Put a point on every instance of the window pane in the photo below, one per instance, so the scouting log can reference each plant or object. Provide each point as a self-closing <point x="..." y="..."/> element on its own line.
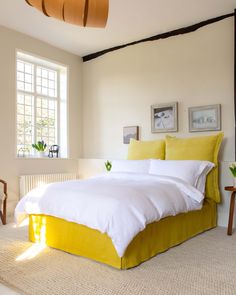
<point x="51" y="93"/>
<point x="39" y="102"/>
<point x="24" y="122"/>
<point x="28" y="68"/>
<point x="20" y="85"/>
<point x="39" y="112"/>
<point x="51" y="105"/>
<point x="28" y="78"/>
<point x="39" y="132"/>
<point x="20" y="138"/>
<point x="20" y="66"/>
<point x="44" y="73"/>
<point x="40" y="123"/>
<point x="46" y="82"/>
<point x="28" y="87"/>
<point x="28" y="131"/>
<point x="25" y="72"/>
<point x="51" y="114"/>
<point x="20" y="119"/>
<point x="28" y="100"/>
<point x="39" y="89"/>
<point x="39" y="81"/>
<point x="20" y="109"/>
<point x="44" y="103"/>
<point x="52" y="75"/>
<point x="28" y="110"/>
<point x="51" y="132"/>
<point x="20" y="76"/>
<point x="39" y="71"/>
<point x="51" y="123"/>
<point x="44" y="113"/>
<point x="28" y="139"/>
<point x="45" y="132"/>
<point x="20" y="129"/>
<point x="51" y="84"/>
<point x="20" y="99"/>
<point x="44" y="90"/>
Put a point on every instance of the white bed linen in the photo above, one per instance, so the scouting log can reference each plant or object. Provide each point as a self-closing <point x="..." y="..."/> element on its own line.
<point x="131" y="166"/>
<point x="119" y="204"/>
<point x="192" y="171"/>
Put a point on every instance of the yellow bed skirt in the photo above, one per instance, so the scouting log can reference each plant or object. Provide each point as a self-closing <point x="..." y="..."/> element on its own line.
<point x="157" y="237"/>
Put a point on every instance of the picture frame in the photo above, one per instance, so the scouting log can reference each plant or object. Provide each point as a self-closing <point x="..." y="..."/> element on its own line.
<point x="130" y="132"/>
<point x="164" y="117"/>
<point x="205" y="118"/>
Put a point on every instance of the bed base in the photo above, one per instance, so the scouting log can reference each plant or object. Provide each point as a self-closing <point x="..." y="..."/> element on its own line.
<point x="157" y="237"/>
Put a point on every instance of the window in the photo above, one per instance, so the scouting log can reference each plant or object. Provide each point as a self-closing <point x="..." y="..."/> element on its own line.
<point x="41" y="104"/>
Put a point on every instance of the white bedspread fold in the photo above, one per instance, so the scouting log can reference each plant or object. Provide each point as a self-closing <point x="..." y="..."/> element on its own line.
<point x="119" y="204"/>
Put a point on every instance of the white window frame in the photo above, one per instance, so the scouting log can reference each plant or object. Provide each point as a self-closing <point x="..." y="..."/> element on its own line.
<point x="33" y="59"/>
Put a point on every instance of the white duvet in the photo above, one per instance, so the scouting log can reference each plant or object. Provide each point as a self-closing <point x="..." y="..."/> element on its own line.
<point x="119" y="204"/>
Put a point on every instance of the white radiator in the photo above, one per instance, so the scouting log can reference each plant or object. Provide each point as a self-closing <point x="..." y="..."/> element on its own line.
<point x="29" y="182"/>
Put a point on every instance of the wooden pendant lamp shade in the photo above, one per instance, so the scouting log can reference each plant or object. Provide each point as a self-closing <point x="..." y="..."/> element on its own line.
<point x="86" y="13"/>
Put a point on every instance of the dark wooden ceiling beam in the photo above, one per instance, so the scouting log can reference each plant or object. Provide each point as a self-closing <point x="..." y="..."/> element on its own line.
<point x="180" y="31"/>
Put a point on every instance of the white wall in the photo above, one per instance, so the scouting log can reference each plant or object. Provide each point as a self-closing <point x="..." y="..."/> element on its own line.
<point x="11" y="167"/>
<point x="118" y="89"/>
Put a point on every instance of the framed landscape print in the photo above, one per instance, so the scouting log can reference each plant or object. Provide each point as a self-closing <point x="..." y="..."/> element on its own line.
<point x="205" y="118"/>
<point x="164" y="117"/>
<point x="130" y="132"/>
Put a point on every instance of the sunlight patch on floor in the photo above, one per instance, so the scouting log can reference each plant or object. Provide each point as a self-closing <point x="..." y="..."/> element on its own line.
<point x="37" y="248"/>
<point x="32" y="252"/>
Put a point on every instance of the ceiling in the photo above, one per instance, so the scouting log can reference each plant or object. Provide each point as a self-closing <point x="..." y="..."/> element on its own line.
<point x="129" y="20"/>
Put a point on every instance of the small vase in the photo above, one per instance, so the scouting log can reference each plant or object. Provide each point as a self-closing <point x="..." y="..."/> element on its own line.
<point x="234" y="183"/>
<point x="41" y="154"/>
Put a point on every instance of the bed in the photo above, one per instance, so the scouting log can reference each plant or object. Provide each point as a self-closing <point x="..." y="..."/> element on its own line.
<point x="155" y="237"/>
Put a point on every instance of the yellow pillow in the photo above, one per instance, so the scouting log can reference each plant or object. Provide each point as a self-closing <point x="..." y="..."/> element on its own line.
<point x="140" y="150"/>
<point x="204" y="148"/>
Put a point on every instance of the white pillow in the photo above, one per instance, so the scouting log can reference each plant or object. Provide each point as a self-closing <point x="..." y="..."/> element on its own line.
<point x="201" y="183"/>
<point x="193" y="172"/>
<point x="134" y="166"/>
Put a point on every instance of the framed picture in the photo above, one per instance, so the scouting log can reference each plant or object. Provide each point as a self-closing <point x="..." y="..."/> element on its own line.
<point x="164" y="117"/>
<point x="205" y="118"/>
<point x="130" y="132"/>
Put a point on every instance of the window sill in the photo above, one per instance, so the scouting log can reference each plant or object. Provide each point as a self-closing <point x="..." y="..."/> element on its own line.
<point x="41" y="158"/>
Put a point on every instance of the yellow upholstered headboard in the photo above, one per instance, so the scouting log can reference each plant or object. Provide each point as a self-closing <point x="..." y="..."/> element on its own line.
<point x="205" y="148"/>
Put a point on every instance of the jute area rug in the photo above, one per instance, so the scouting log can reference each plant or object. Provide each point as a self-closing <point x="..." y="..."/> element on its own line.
<point x="205" y="264"/>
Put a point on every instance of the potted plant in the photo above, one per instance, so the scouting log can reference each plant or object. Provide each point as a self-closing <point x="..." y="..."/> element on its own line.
<point x="232" y="168"/>
<point x="40" y="147"/>
<point x="108" y="165"/>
